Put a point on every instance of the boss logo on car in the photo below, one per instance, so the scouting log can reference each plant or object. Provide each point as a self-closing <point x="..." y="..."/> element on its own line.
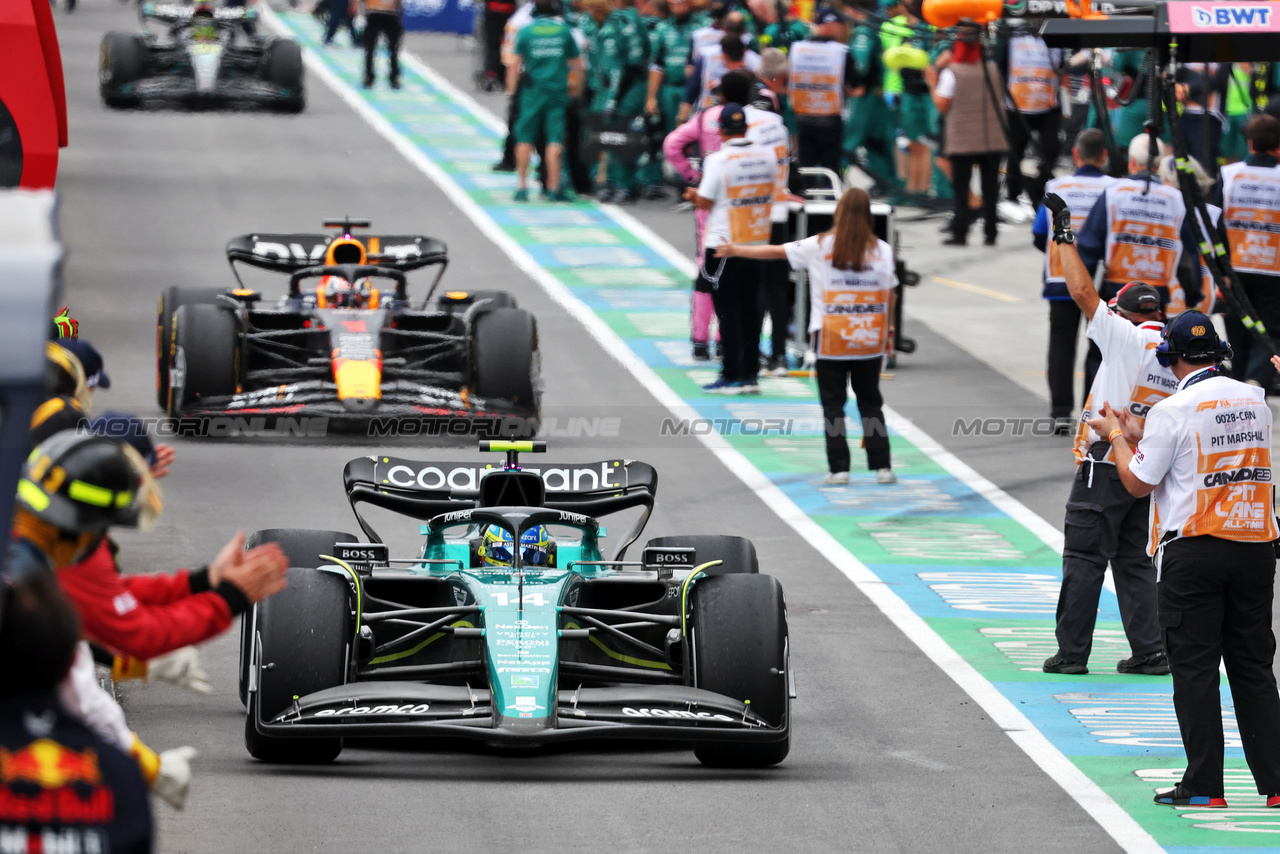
<point x="678" y="714"/>
<point x="669" y="556"/>
<point x="406" y="709"/>
<point x="361" y="552"/>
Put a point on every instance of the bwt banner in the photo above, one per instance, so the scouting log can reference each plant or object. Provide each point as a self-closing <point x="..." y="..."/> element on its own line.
<point x="440" y="16"/>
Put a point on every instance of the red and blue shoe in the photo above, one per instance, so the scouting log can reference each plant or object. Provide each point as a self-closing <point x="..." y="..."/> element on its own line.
<point x="1179" y="796"/>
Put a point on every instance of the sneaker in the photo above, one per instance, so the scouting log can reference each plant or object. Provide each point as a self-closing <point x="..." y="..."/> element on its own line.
<point x="395" y="84"/>
<point x="1010" y="211"/>
<point x="603" y="194"/>
<point x="886" y="476"/>
<point x="1027" y="208"/>
<point x="621" y="197"/>
<point x="748" y="387"/>
<point x="368" y="83"/>
<point x="1178" y="796"/>
<point x="562" y="195"/>
<point x="520" y="195"/>
<point x="504" y="166"/>
<point x="701" y="351"/>
<point x="720" y="386"/>
<point x="654" y="193"/>
<point x="989" y="240"/>
<point x="1057" y="664"/>
<point x="1063" y="425"/>
<point x="837" y="478"/>
<point x="682" y="207"/>
<point x="1155" y="664"/>
<point x="956" y="240"/>
<point x="778" y="368"/>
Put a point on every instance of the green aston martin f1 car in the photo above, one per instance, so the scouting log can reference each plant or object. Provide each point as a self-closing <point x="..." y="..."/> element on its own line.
<point x="511" y="627"/>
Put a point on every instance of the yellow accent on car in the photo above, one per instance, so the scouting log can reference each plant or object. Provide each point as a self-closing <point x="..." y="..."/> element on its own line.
<point x="618" y="656"/>
<point x="684" y="594"/>
<point x="357" y="379"/>
<point x="405" y="653"/>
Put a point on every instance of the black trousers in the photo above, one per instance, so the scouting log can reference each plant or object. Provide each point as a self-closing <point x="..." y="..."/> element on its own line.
<point x="1250" y="360"/>
<point x="1045" y="126"/>
<point x="494" y="23"/>
<point x="1215" y="606"/>
<point x="1064" y="331"/>
<point x="1105" y="524"/>
<point x="388" y="24"/>
<point x="961" y="172"/>
<point x="834" y="377"/>
<point x="820" y="143"/>
<point x="339" y="16"/>
<point x="777" y="293"/>
<point x="734" y="298"/>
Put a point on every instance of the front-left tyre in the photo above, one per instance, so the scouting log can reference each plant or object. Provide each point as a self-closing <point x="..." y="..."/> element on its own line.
<point x="122" y="62"/>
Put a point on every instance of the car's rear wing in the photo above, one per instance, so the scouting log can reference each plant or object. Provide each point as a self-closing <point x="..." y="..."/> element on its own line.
<point x="286" y="253"/>
<point x="421" y="490"/>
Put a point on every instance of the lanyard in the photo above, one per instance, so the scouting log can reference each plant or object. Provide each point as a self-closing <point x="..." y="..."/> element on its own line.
<point x="1209" y="374"/>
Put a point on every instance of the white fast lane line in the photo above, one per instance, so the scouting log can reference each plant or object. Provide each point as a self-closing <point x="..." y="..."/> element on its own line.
<point x="1113" y="819"/>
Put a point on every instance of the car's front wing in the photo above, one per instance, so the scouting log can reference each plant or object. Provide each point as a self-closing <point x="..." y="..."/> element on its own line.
<point x="228" y="90"/>
<point x="399" y="399"/>
<point x="414" y="710"/>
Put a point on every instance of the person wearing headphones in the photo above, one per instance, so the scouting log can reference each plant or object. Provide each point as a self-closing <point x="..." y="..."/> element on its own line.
<point x="1204" y="457"/>
<point x="1104" y="523"/>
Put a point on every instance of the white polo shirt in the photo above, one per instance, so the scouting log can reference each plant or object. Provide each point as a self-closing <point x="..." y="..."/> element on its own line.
<point x="740" y="179"/>
<point x="1207" y="450"/>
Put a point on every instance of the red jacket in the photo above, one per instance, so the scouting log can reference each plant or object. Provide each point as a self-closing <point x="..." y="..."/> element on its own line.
<point x="143" y="616"/>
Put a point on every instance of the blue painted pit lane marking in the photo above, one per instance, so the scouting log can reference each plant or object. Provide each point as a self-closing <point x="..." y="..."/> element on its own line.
<point x="1031" y="712"/>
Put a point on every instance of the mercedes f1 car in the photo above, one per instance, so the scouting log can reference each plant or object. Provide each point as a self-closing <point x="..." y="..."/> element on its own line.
<point x="688" y="644"/>
<point x="200" y="56"/>
<point x="345" y="341"/>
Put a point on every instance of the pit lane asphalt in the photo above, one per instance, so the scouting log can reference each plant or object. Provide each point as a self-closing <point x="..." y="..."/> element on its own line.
<point x="888" y="754"/>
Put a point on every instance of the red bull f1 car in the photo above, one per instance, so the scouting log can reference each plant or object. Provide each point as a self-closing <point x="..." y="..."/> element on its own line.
<point x="345" y="340"/>
<point x="543" y="642"/>
<point x="200" y="56"/>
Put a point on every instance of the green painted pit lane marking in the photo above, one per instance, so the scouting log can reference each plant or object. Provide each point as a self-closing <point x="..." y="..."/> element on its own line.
<point x="976" y="569"/>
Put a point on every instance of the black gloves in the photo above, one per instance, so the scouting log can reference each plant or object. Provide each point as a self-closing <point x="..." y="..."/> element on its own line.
<point x="1061" y="214"/>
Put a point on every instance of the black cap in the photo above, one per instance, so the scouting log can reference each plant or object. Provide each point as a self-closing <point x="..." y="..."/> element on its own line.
<point x="733" y="119"/>
<point x="1191" y="335"/>
<point x="90" y="359"/>
<point x="827" y="15"/>
<point x="1138" y="297"/>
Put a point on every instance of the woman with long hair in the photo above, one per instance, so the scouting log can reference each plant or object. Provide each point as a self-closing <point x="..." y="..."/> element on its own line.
<point x="851" y="281"/>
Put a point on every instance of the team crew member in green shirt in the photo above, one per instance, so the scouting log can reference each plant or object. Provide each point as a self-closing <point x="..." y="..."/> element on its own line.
<point x="547" y="55"/>
<point x="870" y="125"/>
<point x="624" y="60"/>
<point x="669" y="49"/>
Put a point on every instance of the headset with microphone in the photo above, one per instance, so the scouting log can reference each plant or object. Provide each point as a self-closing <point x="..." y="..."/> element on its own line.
<point x="1198" y="326"/>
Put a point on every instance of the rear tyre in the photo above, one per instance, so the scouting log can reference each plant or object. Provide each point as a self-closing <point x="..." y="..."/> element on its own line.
<point x="506" y="361"/>
<point x="284" y="69"/>
<point x="121" y="61"/>
<point x="737" y="553"/>
<point x="171" y="299"/>
<point x="304" y="632"/>
<point x="739" y="643"/>
<point x="302" y="548"/>
<point x="206" y="355"/>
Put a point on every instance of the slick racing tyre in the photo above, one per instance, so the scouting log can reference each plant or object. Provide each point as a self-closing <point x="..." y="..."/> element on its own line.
<point x="121" y="61"/>
<point x="457" y="302"/>
<point x="206" y="356"/>
<point x="171" y="299"/>
<point x="506" y="362"/>
<point x="302" y="548"/>
<point x="738" y="554"/>
<point x="284" y="69"/>
<point x="304" y="631"/>
<point x="739" y="646"/>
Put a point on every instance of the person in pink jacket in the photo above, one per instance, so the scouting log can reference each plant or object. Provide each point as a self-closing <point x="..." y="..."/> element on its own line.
<point x="702" y="130"/>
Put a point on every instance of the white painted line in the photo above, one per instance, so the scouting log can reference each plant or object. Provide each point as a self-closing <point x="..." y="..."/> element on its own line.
<point x="1113" y="819"/>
